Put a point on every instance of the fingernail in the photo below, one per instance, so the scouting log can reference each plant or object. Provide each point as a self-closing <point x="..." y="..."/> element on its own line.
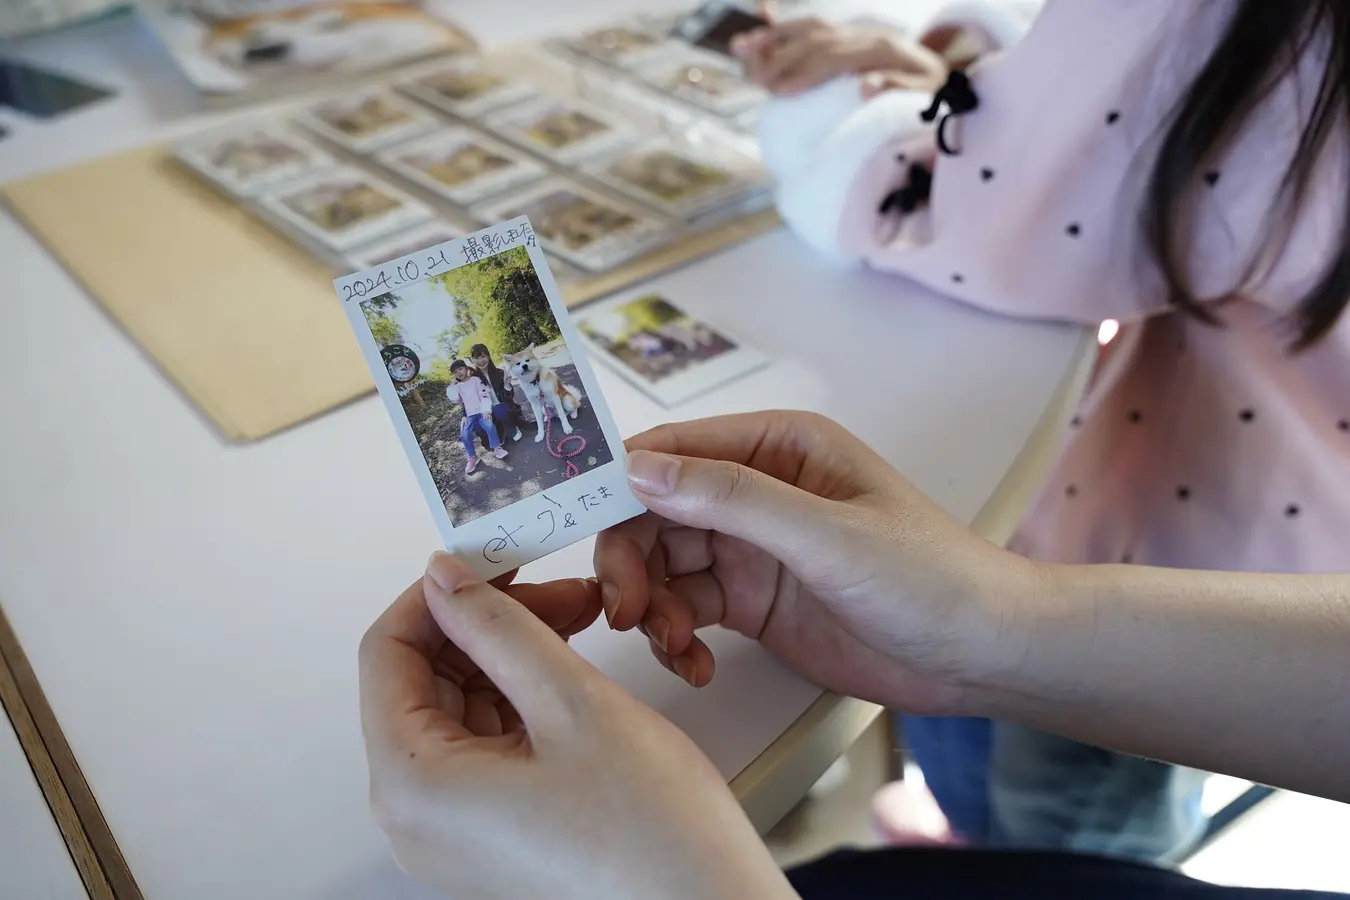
<point x="450" y="572"/>
<point x="684" y="667"/>
<point x="652" y="473"/>
<point x="658" y="629"/>
<point x="610" y="597"/>
<point x="739" y="45"/>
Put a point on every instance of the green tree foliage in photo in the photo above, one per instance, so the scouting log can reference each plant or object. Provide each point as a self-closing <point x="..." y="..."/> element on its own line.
<point x="500" y="302"/>
<point x="379" y="312"/>
<point x="647" y="314"/>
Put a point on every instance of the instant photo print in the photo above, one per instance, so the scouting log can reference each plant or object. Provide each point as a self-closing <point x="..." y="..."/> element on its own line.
<point x="343" y="208"/>
<point x="367" y="121"/>
<point x="581" y="226"/>
<point x="468" y="89"/>
<point x="621" y="45"/>
<point x="663" y="351"/>
<point x="249" y="160"/>
<point x="491" y="394"/>
<point x="463" y="165"/>
<point x="564" y="131"/>
<point x="682" y="181"/>
<point x="704" y="79"/>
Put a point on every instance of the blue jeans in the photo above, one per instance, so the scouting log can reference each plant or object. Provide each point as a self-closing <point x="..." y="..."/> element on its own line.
<point x="482" y="423"/>
<point x="504" y="416"/>
<point x="1005" y="785"/>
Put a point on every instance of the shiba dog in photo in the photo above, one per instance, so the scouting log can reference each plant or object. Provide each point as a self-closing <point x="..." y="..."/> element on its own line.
<point x="540" y="385"/>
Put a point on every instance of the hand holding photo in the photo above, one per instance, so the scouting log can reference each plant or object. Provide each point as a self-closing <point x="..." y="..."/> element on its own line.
<point x="663" y="351"/>
<point x="492" y="397"/>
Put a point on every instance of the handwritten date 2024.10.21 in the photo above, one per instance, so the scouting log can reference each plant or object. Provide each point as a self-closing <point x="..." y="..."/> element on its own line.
<point x="414" y="268"/>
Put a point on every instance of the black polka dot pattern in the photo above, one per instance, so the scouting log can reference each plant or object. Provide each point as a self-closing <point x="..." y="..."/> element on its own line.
<point x="1291" y="511"/>
<point x="901" y="158"/>
<point x="957" y="278"/>
<point x="1076" y="421"/>
<point x="1127" y="558"/>
<point x="1183" y="493"/>
<point x="1071" y="491"/>
<point x="1113" y="117"/>
<point x="1247" y="415"/>
<point x="1343" y="424"/>
<point x="986" y="174"/>
<point x="1074" y="229"/>
<point x="1211" y="178"/>
<point x="1135" y="417"/>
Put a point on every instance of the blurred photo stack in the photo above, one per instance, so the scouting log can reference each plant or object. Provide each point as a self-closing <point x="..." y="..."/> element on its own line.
<point x="615" y="142"/>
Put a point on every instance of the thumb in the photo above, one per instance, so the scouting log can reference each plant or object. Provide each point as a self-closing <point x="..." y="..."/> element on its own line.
<point x="528" y="662"/>
<point x="737" y="500"/>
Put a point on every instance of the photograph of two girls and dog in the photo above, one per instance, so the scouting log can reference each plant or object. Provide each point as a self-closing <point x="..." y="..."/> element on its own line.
<point x="498" y="407"/>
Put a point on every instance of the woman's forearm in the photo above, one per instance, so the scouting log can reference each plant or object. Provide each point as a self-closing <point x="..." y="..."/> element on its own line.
<point x="1243" y="674"/>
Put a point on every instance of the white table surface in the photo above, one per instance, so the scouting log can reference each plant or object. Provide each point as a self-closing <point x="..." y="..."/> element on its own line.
<point x="192" y="608"/>
<point x="34" y="864"/>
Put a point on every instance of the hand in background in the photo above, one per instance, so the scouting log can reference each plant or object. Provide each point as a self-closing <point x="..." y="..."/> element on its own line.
<point x="788" y="529"/>
<point x="502" y="764"/>
<point x="797" y="55"/>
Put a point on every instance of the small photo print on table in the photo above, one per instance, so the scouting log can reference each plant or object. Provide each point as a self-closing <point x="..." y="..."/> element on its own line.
<point x="344" y="208"/>
<point x="462" y="165"/>
<point x="624" y="45"/>
<point x="489" y="388"/>
<point x="468" y="88"/>
<point x="683" y="182"/>
<point x="249" y="160"/>
<point x="563" y="131"/>
<point x="367" y="121"/>
<point x="708" y="81"/>
<point x="663" y="351"/>
<point x="581" y="226"/>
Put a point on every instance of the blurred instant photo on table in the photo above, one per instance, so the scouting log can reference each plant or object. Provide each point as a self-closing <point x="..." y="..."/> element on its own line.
<point x="663" y="351"/>
<point x="367" y="121"/>
<point x="462" y="165"/>
<point x="343" y="208"/>
<point x="402" y="244"/>
<point x="621" y="45"/>
<point x="249" y="160"/>
<point x="468" y="88"/>
<point x="685" y="182"/>
<point x="704" y="79"/>
<point x="564" y="131"/>
<point x="492" y="397"/>
<point x="581" y="226"/>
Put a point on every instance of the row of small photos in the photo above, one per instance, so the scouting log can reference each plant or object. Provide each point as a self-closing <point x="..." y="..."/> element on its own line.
<point x="498" y="160"/>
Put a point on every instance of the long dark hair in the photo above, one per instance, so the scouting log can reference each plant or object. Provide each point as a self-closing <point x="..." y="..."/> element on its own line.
<point x="1262" y="44"/>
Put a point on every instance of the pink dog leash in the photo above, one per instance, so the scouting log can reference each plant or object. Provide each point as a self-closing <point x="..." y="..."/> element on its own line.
<point x="571" y="470"/>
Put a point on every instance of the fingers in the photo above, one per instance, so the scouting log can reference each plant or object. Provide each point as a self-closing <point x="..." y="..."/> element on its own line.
<point x="400" y="698"/>
<point x="567" y="607"/>
<point x="733" y="499"/>
<point x="621" y="555"/>
<point x="527" y="661"/>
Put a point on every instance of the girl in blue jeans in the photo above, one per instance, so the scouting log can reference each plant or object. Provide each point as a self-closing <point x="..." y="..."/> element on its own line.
<point x="476" y="397"/>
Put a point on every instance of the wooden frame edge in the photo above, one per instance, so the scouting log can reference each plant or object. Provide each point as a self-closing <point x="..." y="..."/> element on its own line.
<point x="90" y="842"/>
